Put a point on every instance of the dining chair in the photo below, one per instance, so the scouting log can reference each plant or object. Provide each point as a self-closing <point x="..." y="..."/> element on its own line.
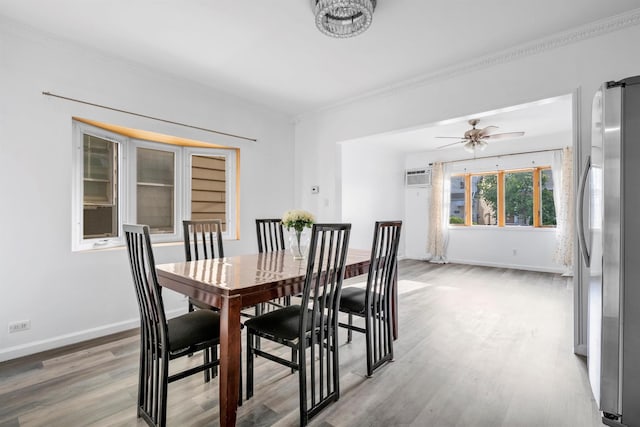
<point x="270" y="236"/>
<point x="202" y="240"/>
<point x="311" y="328"/>
<point x="162" y="339"/>
<point x="373" y="303"/>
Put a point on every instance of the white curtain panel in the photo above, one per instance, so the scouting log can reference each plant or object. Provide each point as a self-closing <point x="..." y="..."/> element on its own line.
<point x="562" y="172"/>
<point x="438" y="214"/>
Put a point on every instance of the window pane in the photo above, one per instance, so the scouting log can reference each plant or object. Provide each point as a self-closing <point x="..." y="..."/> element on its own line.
<point x="484" y="200"/>
<point x="547" y="205"/>
<point x="155" y="189"/>
<point x="518" y="198"/>
<point x="457" y="208"/>
<point x="99" y="195"/>
<point x="208" y="188"/>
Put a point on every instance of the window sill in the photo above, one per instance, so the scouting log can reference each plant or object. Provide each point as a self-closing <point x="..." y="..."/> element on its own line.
<point x="506" y="228"/>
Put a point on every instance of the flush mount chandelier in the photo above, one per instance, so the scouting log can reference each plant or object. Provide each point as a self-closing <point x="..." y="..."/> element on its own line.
<point x="343" y="18"/>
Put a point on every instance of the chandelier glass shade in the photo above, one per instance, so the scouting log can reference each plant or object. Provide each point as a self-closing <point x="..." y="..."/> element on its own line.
<point x="343" y="18"/>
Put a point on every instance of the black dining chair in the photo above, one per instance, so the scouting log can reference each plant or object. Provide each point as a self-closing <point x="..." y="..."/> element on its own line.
<point x="270" y="235"/>
<point x="311" y="328"/>
<point x="162" y="339"/>
<point x="202" y="240"/>
<point x="373" y="303"/>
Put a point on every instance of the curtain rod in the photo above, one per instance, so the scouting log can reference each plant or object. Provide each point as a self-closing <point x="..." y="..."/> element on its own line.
<point x="148" y="117"/>
<point x="504" y="155"/>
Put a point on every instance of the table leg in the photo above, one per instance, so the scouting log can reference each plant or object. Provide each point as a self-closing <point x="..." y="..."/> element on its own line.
<point x="229" y="360"/>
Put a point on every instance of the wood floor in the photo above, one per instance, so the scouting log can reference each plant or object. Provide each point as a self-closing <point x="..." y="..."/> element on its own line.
<point x="478" y="347"/>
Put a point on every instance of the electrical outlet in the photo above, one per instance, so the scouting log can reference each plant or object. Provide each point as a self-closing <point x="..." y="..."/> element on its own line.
<point x="19" y="326"/>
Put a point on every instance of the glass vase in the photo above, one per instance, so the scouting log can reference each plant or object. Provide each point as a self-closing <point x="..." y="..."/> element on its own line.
<point x="299" y="243"/>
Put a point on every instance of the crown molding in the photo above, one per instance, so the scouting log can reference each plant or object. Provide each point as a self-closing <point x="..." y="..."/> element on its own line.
<point x="574" y="35"/>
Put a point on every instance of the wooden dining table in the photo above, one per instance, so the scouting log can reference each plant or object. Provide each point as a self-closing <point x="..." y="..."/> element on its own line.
<point x="237" y="282"/>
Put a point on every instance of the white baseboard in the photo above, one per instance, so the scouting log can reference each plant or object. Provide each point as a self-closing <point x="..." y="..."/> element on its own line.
<point x="72" y="338"/>
<point x="559" y="270"/>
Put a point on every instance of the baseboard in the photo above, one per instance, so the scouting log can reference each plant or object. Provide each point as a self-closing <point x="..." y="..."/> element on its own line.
<point x="580" y="350"/>
<point x="72" y="338"/>
<point x="558" y="270"/>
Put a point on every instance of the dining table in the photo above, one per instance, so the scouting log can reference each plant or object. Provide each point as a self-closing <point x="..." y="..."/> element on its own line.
<point x="239" y="282"/>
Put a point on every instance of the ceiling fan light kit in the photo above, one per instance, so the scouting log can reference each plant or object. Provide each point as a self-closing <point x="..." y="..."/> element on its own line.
<point x="477" y="138"/>
<point x="343" y="18"/>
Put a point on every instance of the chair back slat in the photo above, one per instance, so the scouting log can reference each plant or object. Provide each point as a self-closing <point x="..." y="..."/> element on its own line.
<point x="202" y="239"/>
<point x="270" y="235"/>
<point x="321" y="296"/>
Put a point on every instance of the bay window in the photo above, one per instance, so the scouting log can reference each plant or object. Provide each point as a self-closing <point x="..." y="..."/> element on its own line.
<point x="122" y="178"/>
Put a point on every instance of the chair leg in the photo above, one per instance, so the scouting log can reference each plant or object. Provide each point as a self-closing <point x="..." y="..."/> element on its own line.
<point x="162" y="395"/>
<point x="207" y="372"/>
<point x="349" y="334"/>
<point x="249" y="365"/>
<point x="240" y="381"/>
<point x="294" y="357"/>
<point x="214" y="356"/>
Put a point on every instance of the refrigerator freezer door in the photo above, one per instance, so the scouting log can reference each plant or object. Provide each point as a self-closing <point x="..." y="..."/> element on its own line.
<point x="610" y="383"/>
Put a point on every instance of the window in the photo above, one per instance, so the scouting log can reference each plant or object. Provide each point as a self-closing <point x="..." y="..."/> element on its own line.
<point x="124" y="179"/>
<point x="504" y="198"/>
<point x="99" y="187"/>
<point x="155" y="195"/>
<point x="518" y="198"/>
<point x="208" y="188"/>
<point x="457" y="209"/>
<point x="484" y="199"/>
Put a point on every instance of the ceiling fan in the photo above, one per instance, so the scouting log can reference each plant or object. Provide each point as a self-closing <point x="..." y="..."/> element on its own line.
<point x="478" y="138"/>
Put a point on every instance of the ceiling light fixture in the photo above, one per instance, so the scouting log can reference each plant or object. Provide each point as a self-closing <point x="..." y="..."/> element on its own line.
<point x="343" y="18"/>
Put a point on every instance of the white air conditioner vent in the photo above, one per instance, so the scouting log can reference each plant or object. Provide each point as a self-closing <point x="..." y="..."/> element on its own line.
<point x="419" y="177"/>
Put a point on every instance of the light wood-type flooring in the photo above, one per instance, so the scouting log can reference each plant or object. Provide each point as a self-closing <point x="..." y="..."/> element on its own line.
<point x="478" y="346"/>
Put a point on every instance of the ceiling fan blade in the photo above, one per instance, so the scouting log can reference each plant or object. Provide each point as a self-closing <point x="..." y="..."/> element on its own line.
<point x="449" y="145"/>
<point x="451" y="137"/>
<point x="503" y="135"/>
<point x="488" y="130"/>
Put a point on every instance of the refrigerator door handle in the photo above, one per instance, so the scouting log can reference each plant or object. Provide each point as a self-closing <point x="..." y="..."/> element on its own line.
<point x="580" y="212"/>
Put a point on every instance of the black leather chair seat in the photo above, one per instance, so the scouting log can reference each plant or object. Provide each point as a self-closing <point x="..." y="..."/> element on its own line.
<point x="352" y="299"/>
<point x="193" y="328"/>
<point x="281" y="323"/>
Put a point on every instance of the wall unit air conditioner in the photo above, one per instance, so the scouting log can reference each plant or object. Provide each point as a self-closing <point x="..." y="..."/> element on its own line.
<point x="419" y="177"/>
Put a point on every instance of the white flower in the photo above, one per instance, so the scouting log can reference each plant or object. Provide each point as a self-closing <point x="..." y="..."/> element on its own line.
<point x="297" y="219"/>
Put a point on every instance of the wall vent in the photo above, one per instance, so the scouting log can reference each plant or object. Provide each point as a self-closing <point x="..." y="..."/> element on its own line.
<point x="419" y="177"/>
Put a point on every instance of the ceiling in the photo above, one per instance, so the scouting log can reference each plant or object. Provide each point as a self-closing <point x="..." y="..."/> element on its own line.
<point x="536" y="119"/>
<point x="270" y="52"/>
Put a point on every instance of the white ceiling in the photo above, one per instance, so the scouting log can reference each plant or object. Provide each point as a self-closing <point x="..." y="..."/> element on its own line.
<point x="536" y="119"/>
<point x="269" y="51"/>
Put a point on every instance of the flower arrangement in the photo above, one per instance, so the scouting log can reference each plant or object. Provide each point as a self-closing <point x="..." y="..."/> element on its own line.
<point x="297" y="219"/>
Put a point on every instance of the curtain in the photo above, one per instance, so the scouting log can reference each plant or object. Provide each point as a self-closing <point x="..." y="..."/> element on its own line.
<point x="562" y="172"/>
<point x="438" y="214"/>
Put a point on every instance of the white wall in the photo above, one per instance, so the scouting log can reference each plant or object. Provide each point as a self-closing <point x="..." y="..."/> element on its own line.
<point x="372" y="190"/>
<point x="69" y="296"/>
<point x="577" y="62"/>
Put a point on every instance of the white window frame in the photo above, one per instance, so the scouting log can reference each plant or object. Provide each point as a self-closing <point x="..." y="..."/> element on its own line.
<point x="79" y="243"/>
<point x="127" y="186"/>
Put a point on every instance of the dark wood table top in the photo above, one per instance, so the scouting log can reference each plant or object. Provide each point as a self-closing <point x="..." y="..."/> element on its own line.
<point x="210" y="279"/>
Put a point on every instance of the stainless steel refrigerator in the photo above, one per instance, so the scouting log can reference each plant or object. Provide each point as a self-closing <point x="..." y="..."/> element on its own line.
<point x="609" y="231"/>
